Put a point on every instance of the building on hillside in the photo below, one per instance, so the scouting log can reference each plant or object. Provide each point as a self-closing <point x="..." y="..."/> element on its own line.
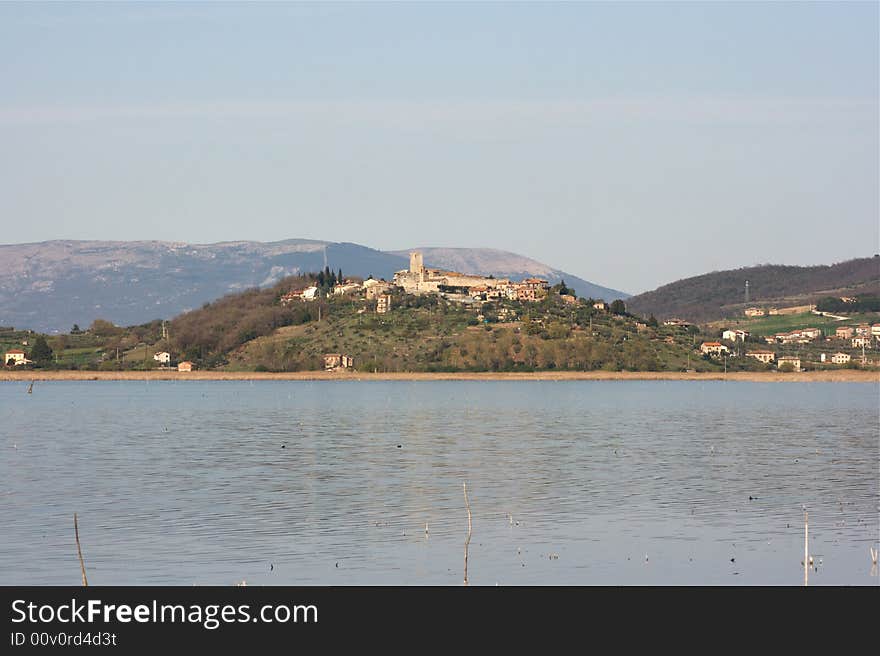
<point x="601" y="305"/>
<point x="15" y="357"/>
<point x="375" y="288"/>
<point x="526" y="294"/>
<point x="292" y="297"/>
<point x="569" y="299"/>
<point x="348" y="287"/>
<point x="186" y="365"/>
<point x="383" y="303"/>
<point x="863" y="330"/>
<point x="764" y="356"/>
<point x="844" y="332"/>
<point x="754" y="312"/>
<point x="840" y="358"/>
<point x="419" y="279"/>
<point x="875" y="330"/>
<point x="641" y="327"/>
<point x="713" y="348"/>
<point x="798" y="336"/>
<point x="734" y="335"/>
<point x="162" y="357"/>
<point x="859" y="342"/>
<point x="681" y="323"/>
<point x="334" y="361"/>
<point x="794" y="361"/>
<point x="310" y="293"/>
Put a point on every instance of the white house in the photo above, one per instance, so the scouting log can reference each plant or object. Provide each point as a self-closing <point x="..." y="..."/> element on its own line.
<point x="162" y="357"/>
<point x="16" y="356"/>
<point x="840" y="358"/>
<point x="733" y="335"/>
<point x="713" y="348"/>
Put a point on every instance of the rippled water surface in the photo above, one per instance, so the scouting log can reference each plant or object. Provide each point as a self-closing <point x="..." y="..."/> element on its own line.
<point x="590" y="482"/>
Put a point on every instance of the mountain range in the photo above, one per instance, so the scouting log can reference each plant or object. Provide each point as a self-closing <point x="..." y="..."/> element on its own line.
<point x="49" y="286"/>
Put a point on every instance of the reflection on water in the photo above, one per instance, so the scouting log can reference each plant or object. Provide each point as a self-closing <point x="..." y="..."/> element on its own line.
<point x="581" y="482"/>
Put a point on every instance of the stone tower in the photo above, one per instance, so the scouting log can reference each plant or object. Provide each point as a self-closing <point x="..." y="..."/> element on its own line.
<point x="417" y="265"/>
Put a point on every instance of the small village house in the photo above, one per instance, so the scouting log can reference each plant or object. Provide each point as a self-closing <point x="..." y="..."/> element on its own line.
<point x="794" y="361"/>
<point x="334" y="361"/>
<point x="162" y="357"/>
<point x="374" y="288"/>
<point x="348" y="287"/>
<point x="186" y="365"/>
<point x="733" y="335"/>
<point x="841" y="358"/>
<point x="713" y="348"/>
<point x="568" y="298"/>
<point x="383" y="303"/>
<point x="863" y="330"/>
<point x="292" y="297"/>
<point x="764" y="356"/>
<point x="859" y="342"/>
<point x="844" y="332"/>
<point x="875" y="330"/>
<point x="600" y="305"/>
<point x="754" y="312"/>
<point x="15" y="357"/>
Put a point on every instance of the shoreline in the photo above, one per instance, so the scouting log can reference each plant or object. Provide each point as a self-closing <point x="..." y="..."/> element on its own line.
<point x="841" y="375"/>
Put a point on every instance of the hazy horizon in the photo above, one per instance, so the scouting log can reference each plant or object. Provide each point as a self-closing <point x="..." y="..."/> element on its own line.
<point x="631" y="144"/>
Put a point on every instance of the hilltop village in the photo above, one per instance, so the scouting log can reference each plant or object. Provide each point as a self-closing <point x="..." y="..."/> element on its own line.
<point x="429" y="319"/>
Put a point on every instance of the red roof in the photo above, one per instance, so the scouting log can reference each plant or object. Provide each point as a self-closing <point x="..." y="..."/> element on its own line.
<point x="15" y="352"/>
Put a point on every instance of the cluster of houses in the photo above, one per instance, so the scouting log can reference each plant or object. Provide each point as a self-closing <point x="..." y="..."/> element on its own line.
<point x="799" y="336"/>
<point x="419" y="279"/>
<point x="164" y="360"/>
<point x="862" y="336"/>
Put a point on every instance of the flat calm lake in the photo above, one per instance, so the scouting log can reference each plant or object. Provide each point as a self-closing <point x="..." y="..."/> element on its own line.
<point x="299" y="483"/>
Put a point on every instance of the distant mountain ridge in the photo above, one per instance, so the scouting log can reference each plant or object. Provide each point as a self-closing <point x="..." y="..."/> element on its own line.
<point x="49" y="286"/>
<point x="721" y="294"/>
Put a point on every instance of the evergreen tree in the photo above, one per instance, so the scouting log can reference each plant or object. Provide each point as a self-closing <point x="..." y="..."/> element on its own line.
<point x="42" y="352"/>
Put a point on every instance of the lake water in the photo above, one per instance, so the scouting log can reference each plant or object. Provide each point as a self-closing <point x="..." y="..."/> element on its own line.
<point x="298" y="483"/>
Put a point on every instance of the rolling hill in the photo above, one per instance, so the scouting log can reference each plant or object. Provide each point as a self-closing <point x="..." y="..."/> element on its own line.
<point x="49" y="286"/>
<point x="721" y="294"/>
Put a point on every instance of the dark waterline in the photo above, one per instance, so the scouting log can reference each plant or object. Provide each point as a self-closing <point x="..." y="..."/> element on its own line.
<point x="569" y="482"/>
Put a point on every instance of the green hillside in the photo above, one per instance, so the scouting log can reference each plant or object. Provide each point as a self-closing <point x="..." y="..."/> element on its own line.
<point x="721" y="294"/>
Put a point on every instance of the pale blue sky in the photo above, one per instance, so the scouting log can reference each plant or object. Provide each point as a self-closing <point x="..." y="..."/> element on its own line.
<point x="629" y="143"/>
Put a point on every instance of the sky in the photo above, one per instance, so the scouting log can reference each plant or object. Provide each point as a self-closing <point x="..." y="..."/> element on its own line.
<point x="631" y="144"/>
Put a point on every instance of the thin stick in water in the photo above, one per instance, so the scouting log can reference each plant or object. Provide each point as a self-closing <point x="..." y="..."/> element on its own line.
<point x="806" y="549"/>
<point x="467" y="542"/>
<point x="82" y="565"/>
